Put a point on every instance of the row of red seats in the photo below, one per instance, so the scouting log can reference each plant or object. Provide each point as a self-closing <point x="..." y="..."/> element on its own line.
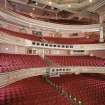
<point x="10" y="62"/>
<point x="21" y="35"/>
<point x="52" y="39"/>
<point x="77" y="60"/>
<point x="89" y="90"/>
<point x="82" y="40"/>
<point x="31" y="91"/>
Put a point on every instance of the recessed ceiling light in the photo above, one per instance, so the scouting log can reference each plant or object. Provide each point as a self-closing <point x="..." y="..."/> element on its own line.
<point x="69" y="5"/>
<point x="90" y="1"/>
<point x="50" y="3"/>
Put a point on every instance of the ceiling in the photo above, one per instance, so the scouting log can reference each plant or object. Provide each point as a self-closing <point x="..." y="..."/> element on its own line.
<point x="70" y="5"/>
<point x="61" y="11"/>
<point x="65" y="1"/>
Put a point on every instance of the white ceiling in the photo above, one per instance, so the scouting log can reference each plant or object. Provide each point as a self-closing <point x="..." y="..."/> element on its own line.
<point x="79" y="8"/>
<point x="66" y="1"/>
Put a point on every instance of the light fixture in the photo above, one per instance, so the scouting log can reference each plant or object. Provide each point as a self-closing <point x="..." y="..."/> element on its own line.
<point x="36" y="3"/>
<point x="50" y="3"/>
<point x="70" y="96"/>
<point x="90" y="1"/>
<point x="91" y="55"/>
<point x="69" y="5"/>
<point x="72" y="52"/>
<point x="6" y="49"/>
<point x="75" y="99"/>
<point x="79" y="102"/>
<point x="33" y="9"/>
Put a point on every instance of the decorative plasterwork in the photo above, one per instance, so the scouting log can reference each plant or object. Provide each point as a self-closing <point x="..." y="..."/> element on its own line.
<point x="64" y="6"/>
<point x="32" y="23"/>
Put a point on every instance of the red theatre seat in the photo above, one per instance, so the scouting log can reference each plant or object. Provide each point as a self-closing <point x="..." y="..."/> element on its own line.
<point x="11" y="62"/>
<point x="31" y="91"/>
<point x="90" y="90"/>
<point x="82" y="40"/>
<point x="77" y="60"/>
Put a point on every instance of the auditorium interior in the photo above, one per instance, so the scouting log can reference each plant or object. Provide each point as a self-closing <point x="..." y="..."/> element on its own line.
<point x="52" y="52"/>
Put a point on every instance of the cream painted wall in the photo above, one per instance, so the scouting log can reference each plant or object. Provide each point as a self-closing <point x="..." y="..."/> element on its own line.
<point x="7" y="48"/>
<point x="15" y="27"/>
<point x="64" y="52"/>
<point x="44" y="32"/>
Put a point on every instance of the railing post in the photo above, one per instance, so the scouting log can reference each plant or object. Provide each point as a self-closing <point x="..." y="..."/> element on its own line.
<point x="101" y="28"/>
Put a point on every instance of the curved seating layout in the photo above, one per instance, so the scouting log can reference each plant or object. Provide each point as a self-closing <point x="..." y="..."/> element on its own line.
<point x="86" y="89"/>
<point x="21" y="35"/>
<point x="81" y="40"/>
<point x="31" y="91"/>
<point x="51" y="79"/>
<point x="77" y="60"/>
<point x="11" y="62"/>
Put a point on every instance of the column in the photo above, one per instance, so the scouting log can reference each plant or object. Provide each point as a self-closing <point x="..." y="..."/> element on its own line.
<point x="101" y="29"/>
<point x="43" y="52"/>
<point x="101" y="34"/>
